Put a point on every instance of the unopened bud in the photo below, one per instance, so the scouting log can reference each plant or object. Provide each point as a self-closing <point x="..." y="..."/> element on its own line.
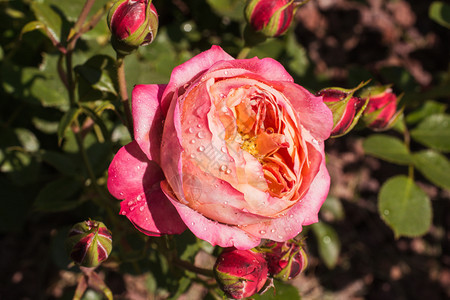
<point x="133" y="23"/>
<point x="270" y="17"/>
<point x="285" y="260"/>
<point x="89" y="243"/>
<point x="346" y="108"/>
<point x="381" y="112"/>
<point x="240" y="273"/>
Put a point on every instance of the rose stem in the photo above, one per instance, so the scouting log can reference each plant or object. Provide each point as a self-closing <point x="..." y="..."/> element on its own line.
<point x="123" y="92"/>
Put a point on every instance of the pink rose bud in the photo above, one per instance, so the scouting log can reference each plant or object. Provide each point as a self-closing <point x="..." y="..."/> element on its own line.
<point x="89" y="243"/>
<point x="270" y="17"/>
<point x="133" y="23"/>
<point x="240" y="273"/>
<point x="285" y="259"/>
<point x="346" y="108"/>
<point x="381" y="112"/>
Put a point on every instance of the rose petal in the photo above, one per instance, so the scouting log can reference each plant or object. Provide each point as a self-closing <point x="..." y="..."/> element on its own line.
<point x="131" y="176"/>
<point x="314" y="115"/>
<point x="131" y="171"/>
<point x="152" y="214"/>
<point x="213" y="232"/>
<point x="303" y="213"/>
<point x="189" y="70"/>
<point x="266" y="68"/>
<point x="148" y="118"/>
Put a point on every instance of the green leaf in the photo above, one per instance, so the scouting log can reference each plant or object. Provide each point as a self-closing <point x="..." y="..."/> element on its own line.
<point x="33" y="25"/>
<point x="434" y="132"/>
<point x="228" y="8"/>
<point x="27" y="139"/>
<point x="440" y="13"/>
<point x="429" y="108"/>
<point x="97" y="79"/>
<point x="328" y="243"/>
<point x="332" y="209"/>
<point x="404" y="207"/>
<point x="434" y="166"/>
<point x="388" y="148"/>
<point x="49" y="18"/>
<point x="280" y="292"/>
<point x="64" y="163"/>
<point x="59" y="195"/>
<point x="66" y="121"/>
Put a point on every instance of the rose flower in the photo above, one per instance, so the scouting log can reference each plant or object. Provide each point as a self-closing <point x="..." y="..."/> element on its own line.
<point x="232" y="149"/>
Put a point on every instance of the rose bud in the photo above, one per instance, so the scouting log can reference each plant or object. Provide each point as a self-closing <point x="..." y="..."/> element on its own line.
<point x="270" y="17"/>
<point x="285" y="259"/>
<point x="133" y="23"/>
<point x="381" y="112"/>
<point x="240" y="273"/>
<point x="89" y="243"/>
<point x="346" y="108"/>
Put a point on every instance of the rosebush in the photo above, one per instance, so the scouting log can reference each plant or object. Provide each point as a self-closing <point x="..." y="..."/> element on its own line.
<point x="233" y="149"/>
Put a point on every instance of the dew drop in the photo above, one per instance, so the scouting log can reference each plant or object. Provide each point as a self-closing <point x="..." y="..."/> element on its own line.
<point x="326" y="239"/>
<point x="386" y="212"/>
<point x="216" y="185"/>
<point x="201" y="149"/>
<point x="273" y="230"/>
<point x="199" y="125"/>
<point x="141" y="208"/>
<point x="228" y="171"/>
<point x="223" y="168"/>
<point x="138" y="198"/>
<point x="225" y="203"/>
<point x="192" y="223"/>
<point x="130" y="203"/>
<point x="192" y="141"/>
<point x="222" y="95"/>
<point x="225" y="73"/>
<point x="191" y="130"/>
<point x="200" y="135"/>
<point x="291" y="216"/>
<point x="224" y="149"/>
<point x="138" y="167"/>
<point x="121" y="193"/>
<point x="280" y="237"/>
<point x="192" y="156"/>
<point x="262" y="231"/>
<point x="204" y="229"/>
<point x="132" y="208"/>
<point x="123" y="213"/>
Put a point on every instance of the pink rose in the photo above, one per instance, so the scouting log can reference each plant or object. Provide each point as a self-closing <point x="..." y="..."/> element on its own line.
<point x="232" y="149"/>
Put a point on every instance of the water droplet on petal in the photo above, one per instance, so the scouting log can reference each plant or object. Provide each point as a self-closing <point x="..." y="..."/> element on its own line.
<point x="130" y="203"/>
<point x="273" y="230"/>
<point x="326" y="239"/>
<point x="225" y="203"/>
<point x="280" y="237"/>
<point x="132" y="208"/>
<point x="199" y="125"/>
<point x="141" y="208"/>
<point x="138" y="198"/>
<point x="192" y="141"/>
<point x="291" y="216"/>
<point x="138" y="167"/>
<point x="123" y="213"/>
<point x="200" y="135"/>
<point x="192" y="223"/>
<point x="216" y="185"/>
<point x="201" y="149"/>
<point x="223" y="168"/>
<point x="191" y="130"/>
<point x="225" y="73"/>
<point x="121" y="193"/>
<point x="192" y="156"/>
<point x="228" y="171"/>
<point x="262" y="231"/>
<point x="222" y="95"/>
<point x="224" y="149"/>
